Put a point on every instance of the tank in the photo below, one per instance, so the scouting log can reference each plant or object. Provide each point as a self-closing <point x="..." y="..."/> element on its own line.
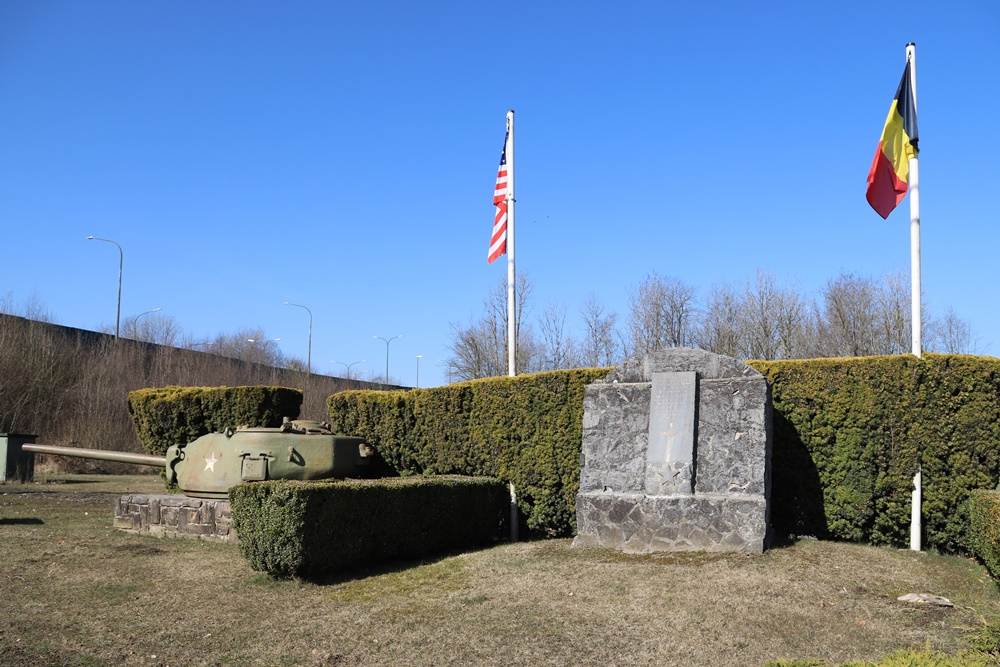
<point x="207" y="467"/>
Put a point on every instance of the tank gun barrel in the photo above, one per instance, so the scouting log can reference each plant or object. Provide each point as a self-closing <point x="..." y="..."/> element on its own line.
<point x="210" y="465"/>
<point x="99" y="454"/>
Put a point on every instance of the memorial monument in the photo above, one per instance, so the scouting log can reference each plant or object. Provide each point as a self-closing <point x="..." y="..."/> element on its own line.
<point x="676" y="456"/>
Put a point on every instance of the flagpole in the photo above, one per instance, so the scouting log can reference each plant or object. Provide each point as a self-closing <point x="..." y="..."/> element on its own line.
<point x="511" y="275"/>
<point x="914" y="192"/>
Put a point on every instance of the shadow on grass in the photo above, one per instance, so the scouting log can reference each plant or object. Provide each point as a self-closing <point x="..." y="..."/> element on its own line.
<point x="397" y="566"/>
<point x="544" y="548"/>
<point x="21" y="521"/>
<point x="351" y="573"/>
<point x="555" y="548"/>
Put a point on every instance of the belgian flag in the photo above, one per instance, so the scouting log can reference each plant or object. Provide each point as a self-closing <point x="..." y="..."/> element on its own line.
<point x="889" y="175"/>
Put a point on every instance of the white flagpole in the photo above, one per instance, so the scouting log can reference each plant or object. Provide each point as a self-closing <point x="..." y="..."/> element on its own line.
<point x="914" y="188"/>
<point x="916" y="498"/>
<point x="511" y="275"/>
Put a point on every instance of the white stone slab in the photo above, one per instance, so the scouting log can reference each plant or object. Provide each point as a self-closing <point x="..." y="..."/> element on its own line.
<point x="671" y="418"/>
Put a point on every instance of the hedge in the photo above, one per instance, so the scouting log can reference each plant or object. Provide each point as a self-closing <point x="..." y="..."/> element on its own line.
<point x="849" y="434"/>
<point x="177" y="415"/>
<point x="307" y="529"/>
<point x="526" y="430"/>
<point x="984" y="528"/>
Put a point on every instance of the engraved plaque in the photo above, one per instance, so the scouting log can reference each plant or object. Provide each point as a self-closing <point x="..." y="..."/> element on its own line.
<point x="671" y="418"/>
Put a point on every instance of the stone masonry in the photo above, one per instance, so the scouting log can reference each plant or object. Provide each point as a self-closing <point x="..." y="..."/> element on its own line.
<point x="676" y="456"/>
<point x="175" y="516"/>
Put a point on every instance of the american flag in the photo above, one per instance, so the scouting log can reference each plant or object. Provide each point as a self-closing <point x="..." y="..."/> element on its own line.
<point x="498" y="244"/>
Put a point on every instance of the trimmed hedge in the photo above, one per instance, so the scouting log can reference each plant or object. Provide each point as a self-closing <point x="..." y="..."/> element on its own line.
<point x="290" y="528"/>
<point x="526" y="430"/>
<point x="984" y="528"/>
<point x="849" y="434"/>
<point x="177" y="415"/>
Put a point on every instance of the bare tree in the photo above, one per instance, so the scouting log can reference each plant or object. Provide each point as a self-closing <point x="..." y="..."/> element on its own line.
<point x="381" y="379"/>
<point x="476" y="350"/>
<point x="952" y="335"/>
<point x="33" y="365"/>
<point x="249" y="344"/>
<point x="70" y="386"/>
<point x="479" y="349"/>
<point x="527" y="351"/>
<point x="892" y="315"/>
<point x="861" y="316"/>
<point x="761" y="326"/>
<point x="848" y="317"/>
<point x="681" y="312"/>
<point x="296" y="364"/>
<point x="559" y="349"/>
<point x="721" y="327"/>
<point x="776" y="319"/>
<point x="30" y="309"/>
<point x="599" y="342"/>
<point x="152" y="328"/>
<point x="662" y="312"/>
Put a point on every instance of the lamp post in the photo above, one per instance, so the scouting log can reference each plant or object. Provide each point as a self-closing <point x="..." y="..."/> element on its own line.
<point x="121" y="259"/>
<point x="419" y="357"/>
<point x="387" y="341"/>
<point x="348" y="366"/>
<point x="135" y="322"/>
<point x="309" y="367"/>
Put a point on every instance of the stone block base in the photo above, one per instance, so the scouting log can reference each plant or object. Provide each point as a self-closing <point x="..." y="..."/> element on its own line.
<point x="639" y="524"/>
<point x="175" y="516"/>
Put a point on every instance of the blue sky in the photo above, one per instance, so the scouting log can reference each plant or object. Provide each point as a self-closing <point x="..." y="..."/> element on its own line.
<point x="343" y="155"/>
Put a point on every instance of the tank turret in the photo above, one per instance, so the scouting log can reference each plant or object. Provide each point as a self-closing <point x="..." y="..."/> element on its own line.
<point x="208" y="466"/>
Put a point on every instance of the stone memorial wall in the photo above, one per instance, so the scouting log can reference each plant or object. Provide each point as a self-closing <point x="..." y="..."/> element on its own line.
<point x="676" y="456"/>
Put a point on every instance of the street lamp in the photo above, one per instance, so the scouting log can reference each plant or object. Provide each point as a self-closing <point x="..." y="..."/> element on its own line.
<point x="258" y="340"/>
<point x="387" y="341"/>
<point x="135" y="322"/>
<point x="348" y="366"/>
<point x="419" y="357"/>
<point x="121" y="258"/>
<point x="310" y="352"/>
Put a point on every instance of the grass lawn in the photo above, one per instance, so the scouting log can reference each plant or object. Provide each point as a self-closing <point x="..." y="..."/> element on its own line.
<point x="74" y="591"/>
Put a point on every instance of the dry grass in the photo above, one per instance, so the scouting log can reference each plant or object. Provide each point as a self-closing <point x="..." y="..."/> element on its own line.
<point x="74" y="591"/>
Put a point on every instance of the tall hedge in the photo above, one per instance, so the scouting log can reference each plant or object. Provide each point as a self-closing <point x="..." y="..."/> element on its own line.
<point x="849" y="434"/>
<point x="526" y="430"/>
<point x="170" y="415"/>
<point x="984" y="528"/>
